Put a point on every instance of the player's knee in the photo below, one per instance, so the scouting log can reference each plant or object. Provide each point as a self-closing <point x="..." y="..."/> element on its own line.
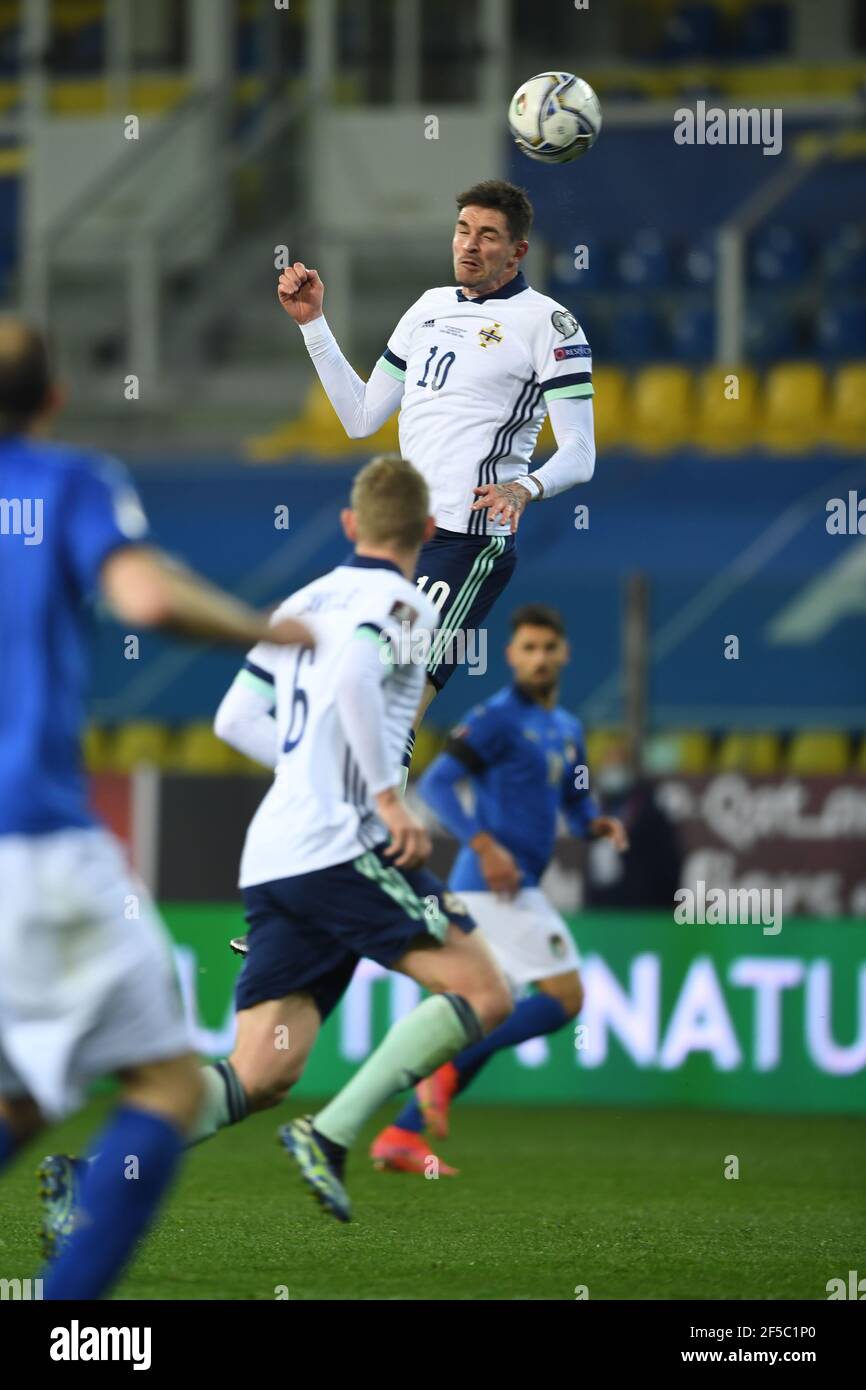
<point x="493" y="1004"/>
<point x="268" y="1086"/>
<point x="569" y="992"/>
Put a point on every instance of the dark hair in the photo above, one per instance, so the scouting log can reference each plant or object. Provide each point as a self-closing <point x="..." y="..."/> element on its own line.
<point x="25" y="375"/>
<point x="507" y="198"/>
<point x="537" y="615"/>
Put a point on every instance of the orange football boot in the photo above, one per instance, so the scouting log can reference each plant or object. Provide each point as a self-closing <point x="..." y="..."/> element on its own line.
<point x="435" y="1094"/>
<point x="404" y="1151"/>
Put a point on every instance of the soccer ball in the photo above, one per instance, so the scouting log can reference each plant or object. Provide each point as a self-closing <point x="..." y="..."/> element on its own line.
<point x="554" y="117"/>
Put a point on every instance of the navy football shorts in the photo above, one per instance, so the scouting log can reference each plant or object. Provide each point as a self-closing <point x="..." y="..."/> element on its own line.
<point x="308" y="932"/>
<point x="463" y="577"/>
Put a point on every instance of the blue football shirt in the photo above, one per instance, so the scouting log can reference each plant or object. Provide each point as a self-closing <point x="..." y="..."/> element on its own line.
<point x="62" y="512"/>
<point x="522" y="761"/>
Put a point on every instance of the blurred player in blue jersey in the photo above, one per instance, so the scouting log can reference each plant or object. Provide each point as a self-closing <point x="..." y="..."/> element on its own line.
<point x="524" y="756"/>
<point x="87" y="988"/>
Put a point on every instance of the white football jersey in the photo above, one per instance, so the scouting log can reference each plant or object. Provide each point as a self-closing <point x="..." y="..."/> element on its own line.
<point x="318" y="810"/>
<point x="478" y="374"/>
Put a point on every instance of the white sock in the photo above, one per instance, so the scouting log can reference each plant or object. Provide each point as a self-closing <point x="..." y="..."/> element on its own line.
<point x="224" y="1102"/>
<point x="412" y="1048"/>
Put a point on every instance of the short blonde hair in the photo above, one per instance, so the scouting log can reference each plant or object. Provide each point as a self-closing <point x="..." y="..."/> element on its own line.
<point x="391" y="503"/>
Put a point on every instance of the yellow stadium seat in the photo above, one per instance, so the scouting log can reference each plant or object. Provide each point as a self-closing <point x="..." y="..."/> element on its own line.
<point x="663" y="408"/>
<point x="611" y="411"/>
<point x="818" y="752"/>
<point x="318" y="431"/>
<point x="600" y="742"/>
<point x="197" y="749"/>
<point x="756" y="754"/>
<point x="795" y="407"/>
<point x="727" y="409"/>
<point x="140" y="743"/>
<point x="428" y="744"/>
<point x="96" y="749"/>
<point x="611" y="407"/>
<point x="847" y="424"/>
<point x="678" y="751"/>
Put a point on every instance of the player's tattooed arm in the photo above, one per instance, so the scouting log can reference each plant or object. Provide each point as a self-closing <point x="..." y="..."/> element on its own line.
<point x="505" y="502"/>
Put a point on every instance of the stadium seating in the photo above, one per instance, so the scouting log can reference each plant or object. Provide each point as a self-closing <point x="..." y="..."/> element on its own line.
<point x="843" y="259"/>
<point x="778" y="257"/>
<point x="726" y="423"/>
<point x="794" y="407"/>
<point x="97" y="749"/>
<point x="689" y="751"/>
<point x="318" y="431"/>
<point x="140" y="743"/>
<point x="755" y="754"/>
<point x="693" y="334"/>
<point x="197" y="749"/>
<point x="663" y="408"/>
<point x="612" y="407"/>
<point x="841" y="330"/>
<point x="847" y="425"/>
<point x="818" y="752"/>
<point x="637" y="335"/>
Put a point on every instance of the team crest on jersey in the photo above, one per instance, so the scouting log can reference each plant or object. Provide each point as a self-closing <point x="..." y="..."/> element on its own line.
<point x="454" y="905"/>
<point x="403" y="612"/>
<point x="486" y="336"/>
<point x="557" y="945"/>
<point x="564" y="323"/>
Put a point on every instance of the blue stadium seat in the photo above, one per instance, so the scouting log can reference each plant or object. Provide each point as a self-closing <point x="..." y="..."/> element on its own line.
<point x="841" y="330"/>
<point x="770" y="335"/>
<point x="700" y="260"/>
<point x="778" y="255"/>
<point x="843" y="257"/>
<point x="764" y="30"/>
<point x="691" y="31"/>
<point x="645" y="262"/>
<point x="693" y="334"/>
<point x="597" y="275"/>
<point x="636" y="335"/>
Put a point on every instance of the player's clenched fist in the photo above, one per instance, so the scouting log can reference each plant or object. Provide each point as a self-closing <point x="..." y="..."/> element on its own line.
<point x="300" y="291"/>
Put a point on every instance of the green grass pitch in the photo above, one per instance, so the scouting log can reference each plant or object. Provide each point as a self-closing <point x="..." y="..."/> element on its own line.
<point x="632" y="1204"/>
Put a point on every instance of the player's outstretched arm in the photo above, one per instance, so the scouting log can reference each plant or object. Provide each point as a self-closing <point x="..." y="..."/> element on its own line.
<point x="361" y="406"/>
<point x="150" y="589"/>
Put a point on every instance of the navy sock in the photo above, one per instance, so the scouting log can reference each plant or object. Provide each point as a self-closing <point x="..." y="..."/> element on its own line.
<point x="8" y="1144"/>
<point x="138" y="1154"/>
<point x="532" y="1017"/>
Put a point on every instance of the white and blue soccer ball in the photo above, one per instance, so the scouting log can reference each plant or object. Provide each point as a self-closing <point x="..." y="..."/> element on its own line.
<point x="554" y="117"/>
